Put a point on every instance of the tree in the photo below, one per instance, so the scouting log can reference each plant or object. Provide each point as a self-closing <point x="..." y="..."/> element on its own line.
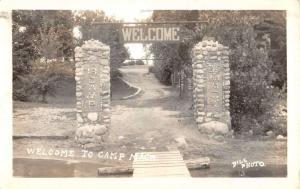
<point x="39" y="34"/>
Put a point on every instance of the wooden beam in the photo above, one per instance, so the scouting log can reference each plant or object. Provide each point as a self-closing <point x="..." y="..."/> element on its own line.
<point x="199" y="163"/>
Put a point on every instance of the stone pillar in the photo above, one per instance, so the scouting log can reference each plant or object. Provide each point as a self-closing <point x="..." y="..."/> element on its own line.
<point x="92" y="77"/>
<point x="211" y="86"/>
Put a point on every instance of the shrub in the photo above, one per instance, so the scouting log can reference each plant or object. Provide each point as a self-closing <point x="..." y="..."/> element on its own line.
<point x="42" y="81"/>
<point x="33" y="87"/>
<point x="139" y="62"/>
<point x="151" y="69"/>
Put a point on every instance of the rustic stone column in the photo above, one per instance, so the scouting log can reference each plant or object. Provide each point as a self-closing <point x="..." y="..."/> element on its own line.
<point x="92" y="94"/>
<point x="211" y="86"/>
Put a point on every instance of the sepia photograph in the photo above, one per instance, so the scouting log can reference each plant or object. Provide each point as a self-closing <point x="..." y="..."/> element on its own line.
<point x="149" y="93"/>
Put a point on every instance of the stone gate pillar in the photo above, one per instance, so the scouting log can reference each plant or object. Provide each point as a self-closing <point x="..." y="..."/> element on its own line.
<point x="211" y="86"/>
<point x="92" y="77"/>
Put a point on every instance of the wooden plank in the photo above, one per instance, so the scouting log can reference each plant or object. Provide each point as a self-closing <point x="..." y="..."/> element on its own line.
<point x="161" y="164"/>
<point x="161" y="161"/>
<point x="165" y="172"/>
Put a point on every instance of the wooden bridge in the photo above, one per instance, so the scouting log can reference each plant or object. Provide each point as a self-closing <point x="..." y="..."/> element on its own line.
<point x="159" y="164"/>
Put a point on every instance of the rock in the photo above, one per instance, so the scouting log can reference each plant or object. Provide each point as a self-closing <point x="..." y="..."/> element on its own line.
<point x="214" y="127"/>
<point x="150" y="140"/>
<point x="199" y="119"/>
<point x="121" y="137"/>
<point x="93" y="116"/>
<point x="208" y="119"/>
<point x="98" y="139"/>
<point x="219" y="138"/>
<point x="79" y="118"/>
<point x="250" y="132"/>
<point x="230" y="133"/>
<point x="270" y="133"/>
<point x="280" y="137"/>
<point x="100" y="130"/>
<point x="181" y="142"/>
<point x="93" y="146"/>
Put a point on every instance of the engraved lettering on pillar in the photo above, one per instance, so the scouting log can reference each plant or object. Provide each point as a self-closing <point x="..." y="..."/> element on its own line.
<point x="93" y="104"/>
<point x="211" y="86"/>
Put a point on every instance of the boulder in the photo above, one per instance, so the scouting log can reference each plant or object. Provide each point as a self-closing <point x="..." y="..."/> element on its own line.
<point x="100" y="130"/>
<point x="270" y="133"/>
<point x="219" y="138"/>
<point x="181" y="142"/>
<point x="93" y="116"/>
<point x="214" y="127"/>
<point x="280" y="137"/>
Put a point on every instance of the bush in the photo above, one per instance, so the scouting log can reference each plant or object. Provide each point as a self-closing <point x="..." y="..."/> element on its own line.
<point x="42" y="81"/>
<point x="151" y="69"/>
<point x="131" y="63"/>
<point x="35" y="87"/>
<point x="139" y="62"/>
<point x="116" y="73"/>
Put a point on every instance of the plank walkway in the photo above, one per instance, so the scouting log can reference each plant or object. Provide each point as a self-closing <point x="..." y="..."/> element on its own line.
<point x="159" y="164"/>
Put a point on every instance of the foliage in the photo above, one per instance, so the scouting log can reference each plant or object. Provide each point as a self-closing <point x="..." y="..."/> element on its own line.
<point x="170" y="57"/>
<point x="46" y="33"/>
<point x="258" y="72"/>
<point x="42" y="81"/>
<point x="39" y="35"/>
<point x="255" y="74"/>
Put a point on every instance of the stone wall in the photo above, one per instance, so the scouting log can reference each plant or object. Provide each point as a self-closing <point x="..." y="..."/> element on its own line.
<point x="92" y="94"/>
<point x="211" y="86"/>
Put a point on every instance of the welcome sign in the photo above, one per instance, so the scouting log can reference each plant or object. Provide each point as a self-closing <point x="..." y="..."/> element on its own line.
<point x="134" y="34"/>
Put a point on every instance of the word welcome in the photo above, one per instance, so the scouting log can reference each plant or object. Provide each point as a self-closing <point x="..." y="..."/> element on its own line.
<point x="67" y="153"/>
<point x="51" y="152"/>
<point x="150" y="34"/>
<point x="248" y="164"/>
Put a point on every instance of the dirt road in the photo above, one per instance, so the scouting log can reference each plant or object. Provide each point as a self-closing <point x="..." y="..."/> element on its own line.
<point x="154" y="115"/>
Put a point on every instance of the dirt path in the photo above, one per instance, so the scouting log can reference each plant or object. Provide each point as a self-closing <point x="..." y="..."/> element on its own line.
<point x="151" y="116"/>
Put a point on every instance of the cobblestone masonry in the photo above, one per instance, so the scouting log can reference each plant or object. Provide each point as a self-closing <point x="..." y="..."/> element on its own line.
<point x="211" y="82"/>
<point x="92" y="93"/>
